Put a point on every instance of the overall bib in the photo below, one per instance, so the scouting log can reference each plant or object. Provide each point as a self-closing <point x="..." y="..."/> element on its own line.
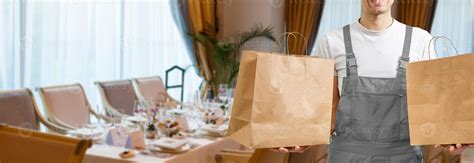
<point x="371" y="119"/>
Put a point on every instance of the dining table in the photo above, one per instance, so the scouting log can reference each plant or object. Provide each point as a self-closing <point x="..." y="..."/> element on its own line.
<point x="205" y="152"/>
<point x="203" y="147"/>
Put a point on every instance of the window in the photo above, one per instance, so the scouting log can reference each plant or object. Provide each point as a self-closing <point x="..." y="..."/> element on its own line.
<point x="54" y="42"/>
<point x="455" y="20"/>
<point x="336" y="14"/>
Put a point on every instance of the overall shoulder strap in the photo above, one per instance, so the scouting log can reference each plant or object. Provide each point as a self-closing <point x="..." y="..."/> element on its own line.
<point x="405" y="58"/>
<point x="351" y="62"/>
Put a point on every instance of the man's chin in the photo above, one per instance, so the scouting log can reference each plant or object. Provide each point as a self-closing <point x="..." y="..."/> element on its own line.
<point x="379" y="11"/>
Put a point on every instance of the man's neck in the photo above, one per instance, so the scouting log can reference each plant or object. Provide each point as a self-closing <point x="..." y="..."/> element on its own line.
<point x="376" y="22"/>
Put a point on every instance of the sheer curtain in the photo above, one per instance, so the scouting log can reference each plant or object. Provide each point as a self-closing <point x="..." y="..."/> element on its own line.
<point x="153" y="44"/>
<point x="336" y="14"/>
<point x="10" y="44"/>
<point x="455" y="20"/>
<point x="71" y="41"/>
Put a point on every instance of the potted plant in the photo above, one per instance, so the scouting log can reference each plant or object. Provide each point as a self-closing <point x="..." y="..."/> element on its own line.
<point x="226" y="52"/>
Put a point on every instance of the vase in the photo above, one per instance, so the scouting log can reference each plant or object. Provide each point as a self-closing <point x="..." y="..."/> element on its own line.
<point x="150" y="131"/>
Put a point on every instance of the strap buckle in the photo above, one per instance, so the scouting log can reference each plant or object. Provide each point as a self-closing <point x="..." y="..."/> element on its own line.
<point x="403" y="62"/>
<point x="351" y="62"/>
<point x="403" y="58"/>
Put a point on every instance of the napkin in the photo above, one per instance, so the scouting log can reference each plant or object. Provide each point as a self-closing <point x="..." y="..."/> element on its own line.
<point x="135" y="140"/>
<point x="116" y="137"/>
<point x="183" y="123"/>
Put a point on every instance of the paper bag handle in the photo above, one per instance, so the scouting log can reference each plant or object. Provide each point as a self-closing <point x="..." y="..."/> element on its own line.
<point x="294" y="35"/>
<point x="436" y="38"/>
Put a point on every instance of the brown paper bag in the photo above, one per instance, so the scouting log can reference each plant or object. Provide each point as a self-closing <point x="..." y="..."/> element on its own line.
<point x="441" y="100"/>
<point x="282" y="100"/>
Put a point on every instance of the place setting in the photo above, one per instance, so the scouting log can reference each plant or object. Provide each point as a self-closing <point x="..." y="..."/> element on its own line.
<point x="96" y="134"/>
<point x="159" y="131"/>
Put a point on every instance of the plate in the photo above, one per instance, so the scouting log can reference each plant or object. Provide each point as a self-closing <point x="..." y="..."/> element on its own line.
<point x="136" y="119"/>
<point x="85" y="133"/>
<point x="178" y="111"/>
<point x="215" y="129"/>
<point x="211" y="135"/>
<point x="169" y="143"/>
<point x="183" y="149"/>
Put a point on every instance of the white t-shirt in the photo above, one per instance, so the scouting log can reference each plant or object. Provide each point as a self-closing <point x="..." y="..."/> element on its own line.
<point x="377" y="52"/>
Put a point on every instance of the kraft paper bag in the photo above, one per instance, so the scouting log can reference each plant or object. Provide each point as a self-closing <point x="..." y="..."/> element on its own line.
<point x="282" y="100"/>
<point x="441" y="100"/>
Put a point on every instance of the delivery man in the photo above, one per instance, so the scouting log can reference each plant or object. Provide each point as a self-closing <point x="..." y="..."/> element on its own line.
<point x="371" y="56"/>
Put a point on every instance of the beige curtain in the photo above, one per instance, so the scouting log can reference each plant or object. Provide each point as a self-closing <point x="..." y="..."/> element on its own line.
<point x="417" y="13"/>
<point x="197" y="16"/>
<point x="202" y="16"/>
<point x="303" y="16"/>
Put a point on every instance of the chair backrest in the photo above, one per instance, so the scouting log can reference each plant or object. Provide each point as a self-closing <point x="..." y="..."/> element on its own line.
<point x="67" y="104"/>
<point x="320" y="153"/>
<point x="152" y="88"/>
<point x="26" y="146"/>
<point x="316" y="154"/>
<point x="177" y="86"/>
<point x="306" y="156"/>
<point x="120" y="95"/>
<point x="434" y="154"/>
<point x="268" y="156"/>
<point x="17" y="108"/>
<point x="225" y="157"/>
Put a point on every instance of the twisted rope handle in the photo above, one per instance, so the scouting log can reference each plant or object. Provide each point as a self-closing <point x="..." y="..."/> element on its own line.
<point x="435" y="39"/>
<point x="294" y="35"/>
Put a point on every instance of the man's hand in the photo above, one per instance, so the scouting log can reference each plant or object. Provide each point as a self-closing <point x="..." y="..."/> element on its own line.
<point x="455" y="149"/>
<point x="295" y="149"/>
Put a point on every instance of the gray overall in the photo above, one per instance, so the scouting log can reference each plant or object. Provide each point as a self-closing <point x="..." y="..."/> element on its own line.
<point x="371" y="119"/>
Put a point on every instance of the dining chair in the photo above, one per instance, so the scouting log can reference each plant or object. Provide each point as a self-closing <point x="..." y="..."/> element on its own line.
<point x="21" y="145"/>
<point x="306" y="156"/>
<point x="67" y="106"/>
<point x="251" y="156"/>
<point x="314" y="154"/>
<point x="438" y="155"/>
<point x="320" y="154"/>
<point x="152" y="88"/>
<point x="234" y="156"/>
<point x="18" y="108"/>
<point x="432" y="154"/>
<point x="268" y="156"/>
<point x="118" y="97"/>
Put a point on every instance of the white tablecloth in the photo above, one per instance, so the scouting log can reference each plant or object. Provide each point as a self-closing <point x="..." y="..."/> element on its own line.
<point x="202" y="154"/>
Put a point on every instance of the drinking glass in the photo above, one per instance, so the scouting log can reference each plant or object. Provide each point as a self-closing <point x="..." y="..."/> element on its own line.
<point x="138" y="109"/>
<point x="222" y="92"/>
<point x="102" y="124"/>
<point x="197" y="100"/>
<point x="148" y="102"/>
<point x="171" y="117"/>
<point x="230" y="93"/>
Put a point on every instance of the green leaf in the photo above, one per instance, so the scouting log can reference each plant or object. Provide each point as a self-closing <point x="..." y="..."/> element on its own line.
<point x="226" y="52"/>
